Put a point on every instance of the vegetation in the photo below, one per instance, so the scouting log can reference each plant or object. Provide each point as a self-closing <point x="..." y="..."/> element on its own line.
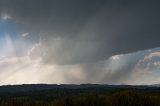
<point x="80" y="96"/>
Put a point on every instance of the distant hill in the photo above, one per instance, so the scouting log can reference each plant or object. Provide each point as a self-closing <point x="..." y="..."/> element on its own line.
<point x="85" y="87"/>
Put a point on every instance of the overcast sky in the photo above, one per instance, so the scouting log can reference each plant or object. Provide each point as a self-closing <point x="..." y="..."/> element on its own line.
<point x="79" y="41"/>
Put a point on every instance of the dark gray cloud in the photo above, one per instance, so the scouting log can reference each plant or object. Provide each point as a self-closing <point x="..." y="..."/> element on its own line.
<point x="88" y="30"/>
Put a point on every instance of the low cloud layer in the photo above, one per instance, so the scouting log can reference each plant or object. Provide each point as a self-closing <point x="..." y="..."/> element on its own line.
<point x="136" y="68"/>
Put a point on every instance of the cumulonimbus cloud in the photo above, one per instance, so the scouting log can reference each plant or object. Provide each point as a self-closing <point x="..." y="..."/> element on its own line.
<point x="92" y="30"/>
<point x="86" y="38"/>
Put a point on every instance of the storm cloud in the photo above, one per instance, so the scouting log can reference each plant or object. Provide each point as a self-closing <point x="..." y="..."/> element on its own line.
<point x="101" y="39"/>
<point x="91" y="30"/>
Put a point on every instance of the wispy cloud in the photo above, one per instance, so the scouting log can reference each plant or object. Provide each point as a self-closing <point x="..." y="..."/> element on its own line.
<point x="25" y="34"/>
<point x="5" y="16"/>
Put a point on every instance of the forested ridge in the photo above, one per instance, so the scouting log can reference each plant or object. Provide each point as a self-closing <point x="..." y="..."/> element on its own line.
<point x="79" y="95"/>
